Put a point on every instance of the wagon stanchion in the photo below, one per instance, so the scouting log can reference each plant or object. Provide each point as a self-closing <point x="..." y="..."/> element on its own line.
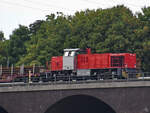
<point x="22" y="69"/>
<point x="1" y="71"/>
<point x="29" y="77"/>
<point x="12" y="68"/>
<point x="33" y="69"/>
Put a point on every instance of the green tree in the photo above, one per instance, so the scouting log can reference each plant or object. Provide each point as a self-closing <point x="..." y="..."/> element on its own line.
<point x="2" y="36"/>
<point x="143" y="34"/>
<point x="17" y="48"/>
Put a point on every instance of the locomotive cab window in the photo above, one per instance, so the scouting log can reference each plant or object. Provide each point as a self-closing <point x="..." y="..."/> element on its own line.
<point x="72" y="53"/>
<point x="117" y="61"/>
<point x="66" y="53"/>
<point x="69" y="53"/>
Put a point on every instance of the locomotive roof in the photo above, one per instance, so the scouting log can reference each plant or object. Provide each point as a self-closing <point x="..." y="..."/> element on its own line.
<point x="76" y="49"/>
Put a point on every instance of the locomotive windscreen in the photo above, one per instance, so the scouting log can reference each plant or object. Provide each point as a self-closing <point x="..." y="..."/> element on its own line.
<point x="117" y="61"/>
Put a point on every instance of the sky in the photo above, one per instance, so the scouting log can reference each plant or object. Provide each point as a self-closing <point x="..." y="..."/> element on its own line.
<point x="25" y="12"/>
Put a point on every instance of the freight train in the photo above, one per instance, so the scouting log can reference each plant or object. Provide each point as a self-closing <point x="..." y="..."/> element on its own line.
<point x="77" y="64"/>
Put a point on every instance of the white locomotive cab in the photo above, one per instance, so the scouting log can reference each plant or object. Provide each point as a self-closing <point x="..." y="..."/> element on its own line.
<point x="69" y="59"/>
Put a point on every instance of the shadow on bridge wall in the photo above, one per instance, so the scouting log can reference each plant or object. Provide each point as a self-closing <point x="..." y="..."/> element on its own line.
<point x="2" y="110"/>
<point x="80" y="104"/>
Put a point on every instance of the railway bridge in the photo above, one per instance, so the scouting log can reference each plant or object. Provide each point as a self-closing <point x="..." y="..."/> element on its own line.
<point x="83" y="97"/>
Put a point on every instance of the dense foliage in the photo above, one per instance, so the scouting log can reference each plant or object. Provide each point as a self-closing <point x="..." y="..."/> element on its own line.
<point x="115" y="30"/>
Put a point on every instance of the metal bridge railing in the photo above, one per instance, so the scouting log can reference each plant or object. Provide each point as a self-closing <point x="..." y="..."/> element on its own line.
<point x="84" y="79"/>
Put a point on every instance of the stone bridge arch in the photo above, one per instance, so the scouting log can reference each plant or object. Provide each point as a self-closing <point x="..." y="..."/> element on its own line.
<point x="80" y="104"/>
<point x="2" y="110"/>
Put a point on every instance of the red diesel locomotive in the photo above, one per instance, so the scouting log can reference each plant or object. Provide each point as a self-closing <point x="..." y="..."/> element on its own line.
<point x="77" y="63"/>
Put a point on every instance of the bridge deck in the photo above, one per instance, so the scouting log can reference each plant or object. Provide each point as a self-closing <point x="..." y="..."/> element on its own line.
<point x="19" y="87"/>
